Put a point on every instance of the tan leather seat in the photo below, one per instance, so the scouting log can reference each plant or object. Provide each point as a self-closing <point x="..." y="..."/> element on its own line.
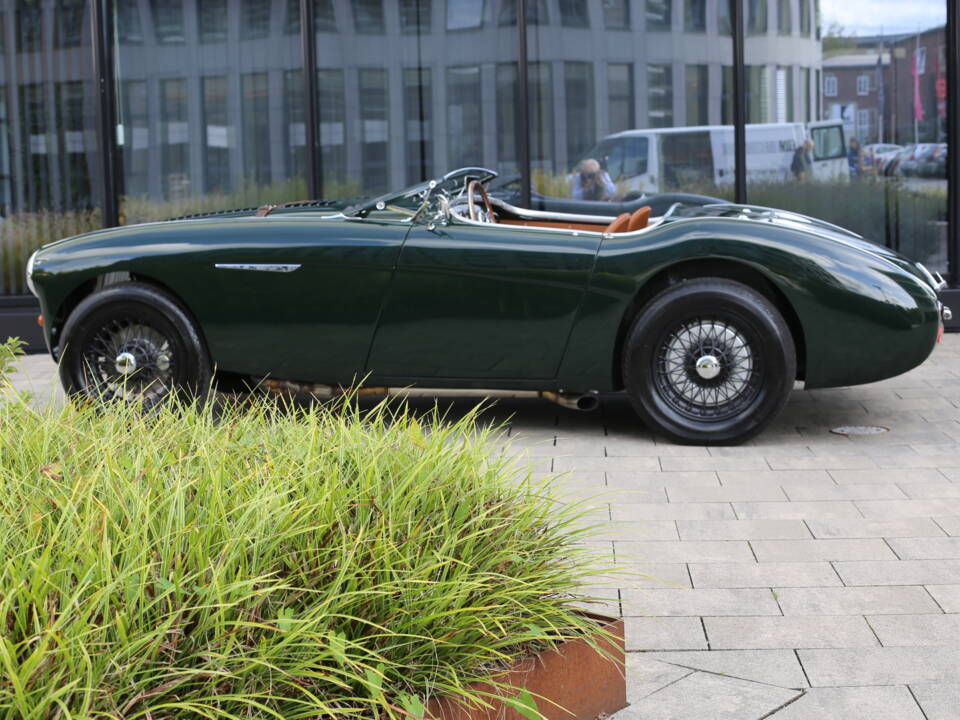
<point x="640" y="219"/>
<point x="620" y="224"/>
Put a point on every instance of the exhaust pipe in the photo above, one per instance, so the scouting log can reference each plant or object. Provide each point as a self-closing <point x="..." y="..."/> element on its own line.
<point x="584" y="402"/>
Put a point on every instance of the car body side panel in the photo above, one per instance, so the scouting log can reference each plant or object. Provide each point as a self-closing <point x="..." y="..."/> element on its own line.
<point x="863" y="318"/>
<point x="482" y="303"/>
<point x="314" y="322"/>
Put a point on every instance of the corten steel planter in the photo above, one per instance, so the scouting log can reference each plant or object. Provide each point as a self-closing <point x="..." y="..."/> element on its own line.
<point x="571" y="682"/>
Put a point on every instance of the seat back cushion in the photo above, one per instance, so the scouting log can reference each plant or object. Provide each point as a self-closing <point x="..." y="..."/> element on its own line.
<point x="640" y="219"/>
<point x="620" y="224"/>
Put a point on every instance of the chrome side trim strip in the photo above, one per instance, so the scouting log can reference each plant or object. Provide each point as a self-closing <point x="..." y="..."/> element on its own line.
<point x="258" y="267"/>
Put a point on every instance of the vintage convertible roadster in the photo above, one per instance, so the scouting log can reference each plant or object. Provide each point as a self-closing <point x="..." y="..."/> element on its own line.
<point x="704" y="314"/>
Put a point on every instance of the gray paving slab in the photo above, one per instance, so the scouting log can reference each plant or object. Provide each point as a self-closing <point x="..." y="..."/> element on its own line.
<point x="773" y="667"/>
<point x="863" y="491"/>
<point x="796" y="510"/>
<point x="726" y="493"/>
<point x="645" y="479"/>
<point x="767" y="574"/>
<point x="899" y="572"/>
<point x="810" y="550"/>
<point x="877" y="476"/>
<point x="687" y="551"/>
<point x="939" y="701"/>
<point x="944" y="489"/>
<point x="949" y="523"/>
<point x="880" y="666"/>
<point x="651" y="575"/>
<point x="646" y="675"/>
<point x="819" y="601"/>
<point x="695" y="603"/>
<point x="742" y="529"/>
<point x="926" y="548"/>
<point x="757" y="633"/>
<point x="864" y="528"/>
<point x="947" y="597"/>
<point x="916" y="630"/>
<point x="853" y="703"/>
<point x="703" y="695"/>
<point x="664" y="633"/>
<point x="676" y="511"/>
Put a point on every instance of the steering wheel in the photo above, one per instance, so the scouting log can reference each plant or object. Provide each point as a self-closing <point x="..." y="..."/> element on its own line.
<point x="473" y="188"/>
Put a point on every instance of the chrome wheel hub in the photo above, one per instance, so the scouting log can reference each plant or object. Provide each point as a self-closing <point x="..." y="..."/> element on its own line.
<point x="707" y="369"/>
<point x="126" y="363"/>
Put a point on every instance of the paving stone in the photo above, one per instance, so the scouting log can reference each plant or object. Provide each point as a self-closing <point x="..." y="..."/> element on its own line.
<point x="820" y="462"/>
<point x="646" y="676"/>
<point x="755" y="633"/>
<point x="744" y="463"/>
<point x="651" y="575"/>
<point x="898" y="572"/>
<point x="916" y="630"/>
<point x="795" y="510"/>
<point x="691" y="603"/>
<point x="880" y="666"/>
<point x="906" y="508"/>
<point x="776" y="477"/>
<point x="853" y="703"/>
<point x="864" y="491"/>
<point x="676" y="511"/>
<point x="863" y="528"/>
<point x="855" y="600"/>
<point x="703" y="695"/>
<point x="926" y="548"/>
<point x="885" y="477"/>
<point x="742" y="529"/>
<point x="617" y="447"/>
<point x="647" y="530"/>
<point x="765" y="574"/>
<point x="949" y="523"/>
<point x="664" y="633"/>
<point x="689" y="551"/>
<point x="811" y="550"/>
<point x="913" y="461"/>
<point x="944" y="489"/>
<point x="947" y="596"/>
<point x="726" y="493"/>
<point x="607" y="464"/>
<point x="774" y="667"/>
<point x="628" y="480"/>
<point x="939" y="702"/>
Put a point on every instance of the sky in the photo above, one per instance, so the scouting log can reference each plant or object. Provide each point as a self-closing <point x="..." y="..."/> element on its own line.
<point x="870" y="17"/>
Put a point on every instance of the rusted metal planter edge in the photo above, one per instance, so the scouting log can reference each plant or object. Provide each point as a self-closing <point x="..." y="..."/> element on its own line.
<point x="571" y="682"/>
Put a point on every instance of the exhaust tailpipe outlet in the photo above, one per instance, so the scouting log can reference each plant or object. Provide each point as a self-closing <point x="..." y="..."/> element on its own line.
<point x="573" y="401"/>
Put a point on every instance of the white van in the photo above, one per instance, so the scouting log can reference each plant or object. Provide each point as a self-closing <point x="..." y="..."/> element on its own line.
<point x="688" y="158"/>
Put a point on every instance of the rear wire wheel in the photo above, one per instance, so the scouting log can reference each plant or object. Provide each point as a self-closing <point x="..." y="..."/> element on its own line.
<point x="132" y="343"/>
<point x="709" y="361"/>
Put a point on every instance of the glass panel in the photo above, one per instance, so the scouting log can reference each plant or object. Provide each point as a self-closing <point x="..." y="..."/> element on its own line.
<point x="536" y="12"/>
<point x="695" y="15"/>
<point x="418" y="108"/>
<point x="870" y="129"/>
<point x="415" y="16"/>
<point x="784" y="18"/>
<point x="465" y="14"/>
<point x="574" y="13"/>
<point x="464" y="117"/>
<point x="756" y="11"/>
<point x="49" y="173"/>
<point x="212" y="127"/>
<point x="616" y="14"/>
<point x="608" y="112"/>
<point x="368" y="16"/>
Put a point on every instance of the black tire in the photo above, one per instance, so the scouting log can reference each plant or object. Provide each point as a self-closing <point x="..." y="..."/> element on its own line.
<point x="736" y="334"/>
<point x="137" y="321"/>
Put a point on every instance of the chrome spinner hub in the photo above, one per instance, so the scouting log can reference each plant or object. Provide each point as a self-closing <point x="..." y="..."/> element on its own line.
<point x="126" y="363"/>
<point x="708" y="367"/>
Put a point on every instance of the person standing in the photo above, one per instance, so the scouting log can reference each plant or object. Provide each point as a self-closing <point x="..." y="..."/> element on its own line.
<point x="802" y="165"/>
<point x="592" y="183"/>
<point x="855" y="158"/>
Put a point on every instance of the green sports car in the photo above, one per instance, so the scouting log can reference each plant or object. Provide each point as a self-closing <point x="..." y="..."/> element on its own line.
<point x="704" y="315"/>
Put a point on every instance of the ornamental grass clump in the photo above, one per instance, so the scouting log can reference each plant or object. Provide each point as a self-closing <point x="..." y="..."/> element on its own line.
<point x="265" y="562"/>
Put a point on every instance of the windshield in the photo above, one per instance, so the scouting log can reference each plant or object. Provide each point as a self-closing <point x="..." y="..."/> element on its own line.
<point x="413" y="197"/>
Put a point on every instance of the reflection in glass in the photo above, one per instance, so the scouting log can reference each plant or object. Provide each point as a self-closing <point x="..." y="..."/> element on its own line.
<point x="697" y="94"/>
<point x="368" y="16"/>
<point x="579" y="92"/>
<point x="415" y="16"/>
<point x="659" y="95"/>
<point x="724" y="23"/>
<point x="374" y="133"/>
<point x="127" y="22"/>
<point x="784" y="20"/>
<point x="756" y="12"/>
<point x="536" y="12"/>
<point x="418" y="107"/>
<point x="464" y="117"/>
<point x="574" y="13"/>
<point x="616" y="14"/>
<point x="212" y="20"/>
<point x="167" y="20"/>
<point x="69" y="23"/>
<point x="465" y="14"/>
<point x="29" y="26"/>
<point x="620" y="98"/>
<point x="695" y="15"/>
<point x="255" y="117"/>
<point x="255" y="19"/>
<point x="217" y="134"/>
<point x="333" y="136"/>
<point x="658" y="14"/>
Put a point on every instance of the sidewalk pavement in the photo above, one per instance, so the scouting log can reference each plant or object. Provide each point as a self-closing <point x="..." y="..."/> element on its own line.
<point x="804" y="575"/>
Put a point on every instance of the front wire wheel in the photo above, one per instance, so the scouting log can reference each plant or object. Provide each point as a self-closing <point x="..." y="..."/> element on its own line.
<point x="709" y="361"/>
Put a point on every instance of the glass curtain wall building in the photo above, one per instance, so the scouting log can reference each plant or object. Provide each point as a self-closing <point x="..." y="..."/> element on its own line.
<point x="126" y="111"/>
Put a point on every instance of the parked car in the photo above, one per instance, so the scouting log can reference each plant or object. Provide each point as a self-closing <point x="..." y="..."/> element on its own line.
<point x="882" y="153"/>
<point x="934" y="163"/>
<point x="704" y="315"/>
<point x="665" y="159"/>
<point x="913" y="156"/>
